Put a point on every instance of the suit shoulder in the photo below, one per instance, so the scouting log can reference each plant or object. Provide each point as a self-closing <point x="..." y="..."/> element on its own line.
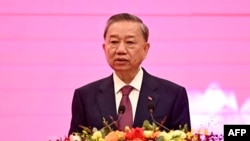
<point x="152" y="80"/>
<point x="170" y="88"/>
<point x="95" y="84"/>
<point x="166" y="83"/>
<point x="170" y="82"/>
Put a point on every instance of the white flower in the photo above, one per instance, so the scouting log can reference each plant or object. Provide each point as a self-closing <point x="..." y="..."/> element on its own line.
<point x="74" y="137"/>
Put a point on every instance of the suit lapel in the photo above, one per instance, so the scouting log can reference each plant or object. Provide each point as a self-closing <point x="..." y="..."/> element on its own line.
<point x="106" y="99"/>
<point x="148" y="94"/>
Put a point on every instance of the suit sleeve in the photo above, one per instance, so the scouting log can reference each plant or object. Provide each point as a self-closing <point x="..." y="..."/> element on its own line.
<point x="180" y="114"/>
<point x="77" y="113"/>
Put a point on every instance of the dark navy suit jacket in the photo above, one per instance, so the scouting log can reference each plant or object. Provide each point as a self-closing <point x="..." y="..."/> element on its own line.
<point x="95" y="101"/>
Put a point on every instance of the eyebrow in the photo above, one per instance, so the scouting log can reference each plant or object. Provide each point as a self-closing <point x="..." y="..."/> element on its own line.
<point x="116" y="36"/>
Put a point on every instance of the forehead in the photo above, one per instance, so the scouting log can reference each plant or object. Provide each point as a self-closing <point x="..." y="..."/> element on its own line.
<point x="124" y="28"/>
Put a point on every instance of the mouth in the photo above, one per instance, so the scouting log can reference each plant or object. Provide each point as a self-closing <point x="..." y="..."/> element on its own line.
<point x="121" y="60"/>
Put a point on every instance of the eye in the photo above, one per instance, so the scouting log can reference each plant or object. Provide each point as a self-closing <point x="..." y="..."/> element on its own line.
<point x="130" y="42"/>
<point x="114" y="42"/>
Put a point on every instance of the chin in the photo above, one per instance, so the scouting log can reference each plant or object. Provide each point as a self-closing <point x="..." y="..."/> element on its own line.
<point x="120" y="68"/>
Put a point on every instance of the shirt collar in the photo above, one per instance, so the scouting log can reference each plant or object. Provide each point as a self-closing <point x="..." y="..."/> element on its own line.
<point x="136" y="82"/>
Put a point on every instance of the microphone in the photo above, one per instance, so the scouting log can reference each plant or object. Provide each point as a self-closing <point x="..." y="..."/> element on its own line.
<point x="121" y="111"/>
<point x="151" y="108"/>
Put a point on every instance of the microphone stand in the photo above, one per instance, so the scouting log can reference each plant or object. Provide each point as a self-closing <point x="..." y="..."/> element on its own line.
<point x="121" y="111"/>
<point x="151" y="110"/>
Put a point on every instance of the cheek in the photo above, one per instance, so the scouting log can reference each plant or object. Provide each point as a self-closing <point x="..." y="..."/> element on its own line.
<point x="139" y="54"/>
<point x="110" y="53"/>
<point x="136" y="58"/>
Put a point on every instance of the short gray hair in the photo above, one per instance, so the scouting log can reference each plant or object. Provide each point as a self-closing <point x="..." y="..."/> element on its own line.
<point x="127" y="17"/>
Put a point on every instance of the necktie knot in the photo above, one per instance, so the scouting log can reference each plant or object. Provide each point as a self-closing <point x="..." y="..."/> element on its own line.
<point x="126" y="90"/>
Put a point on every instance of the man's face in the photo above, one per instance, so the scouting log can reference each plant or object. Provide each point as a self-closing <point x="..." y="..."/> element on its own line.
<point x="125" y="47"/>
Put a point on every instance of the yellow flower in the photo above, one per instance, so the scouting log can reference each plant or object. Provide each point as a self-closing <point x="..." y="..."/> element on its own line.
<point x="148" y="134"/>
<point x="127" y="129"/>
<point x="189" y="135"/>
<point x="97" y="135"/>
<point x="179" y="133"/>
<point x="101" y="139"/>
<point x="166" y="136"/>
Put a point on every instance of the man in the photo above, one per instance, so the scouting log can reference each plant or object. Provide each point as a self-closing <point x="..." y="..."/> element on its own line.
<point x="126" y="46"/>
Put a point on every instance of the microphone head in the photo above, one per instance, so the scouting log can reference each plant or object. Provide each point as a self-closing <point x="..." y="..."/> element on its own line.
<point x="151" y="107"/>
<point x="121" y="109"/>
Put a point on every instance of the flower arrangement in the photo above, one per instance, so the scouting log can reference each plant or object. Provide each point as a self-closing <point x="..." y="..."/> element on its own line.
<point x="148" y="132"/>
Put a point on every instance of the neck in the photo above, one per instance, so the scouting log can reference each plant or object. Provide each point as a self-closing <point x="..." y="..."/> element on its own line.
<point x="127" y="76"/>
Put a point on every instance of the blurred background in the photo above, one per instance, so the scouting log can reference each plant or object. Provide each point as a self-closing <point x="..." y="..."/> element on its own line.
<point x="50" y="47"/>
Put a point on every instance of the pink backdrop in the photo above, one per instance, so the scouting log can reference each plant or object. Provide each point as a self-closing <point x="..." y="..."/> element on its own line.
<point x="50" y="47"/>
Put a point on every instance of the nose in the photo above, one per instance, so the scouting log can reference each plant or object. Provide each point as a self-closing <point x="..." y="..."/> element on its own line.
<point x="121" y="49"/>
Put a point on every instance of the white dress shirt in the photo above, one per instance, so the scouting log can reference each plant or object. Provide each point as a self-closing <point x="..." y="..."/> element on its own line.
<point x="134" y="94"/>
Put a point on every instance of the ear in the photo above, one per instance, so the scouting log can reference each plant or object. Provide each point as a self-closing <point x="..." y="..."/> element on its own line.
<point x="146" y="48"/>
<point x="104" y="47"/>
